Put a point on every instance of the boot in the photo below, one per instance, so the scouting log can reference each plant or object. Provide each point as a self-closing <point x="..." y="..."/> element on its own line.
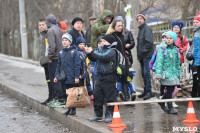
<point x="171" y="109"/>
<point x="142" y="95"/>
<point x="73" y="111"/>
<point x="121" y="95"/>
<point x="163" y="107"/>
<point x="50" y="97"/>
<point x="148" y="96"/>
<point x="95" y="118"/>
<point x="126" y="92"/>
<point x="108" y="118"/>
<point x="133" y="96"/>
<point x="67" y="112"/>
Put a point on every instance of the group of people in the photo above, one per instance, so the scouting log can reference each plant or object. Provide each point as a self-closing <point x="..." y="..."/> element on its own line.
<point x="97" y="52"/>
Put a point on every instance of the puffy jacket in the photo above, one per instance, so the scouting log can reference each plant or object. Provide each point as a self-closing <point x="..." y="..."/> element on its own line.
<point x="180" y="46"/>
<point x="105" y="60"/>
<point x="196" y="53"/>
<point x="98" y="27"/>
<point x="168" y="66"/>
<point x="75" y="34"/>
<point x="71" y="64"/>
<point x="145" y="47"/>
<point x="83" y="70"/>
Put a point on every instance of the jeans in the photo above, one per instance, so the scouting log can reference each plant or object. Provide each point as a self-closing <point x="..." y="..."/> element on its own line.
<point x="144" y="63"/>
<point x="58" y="93"/>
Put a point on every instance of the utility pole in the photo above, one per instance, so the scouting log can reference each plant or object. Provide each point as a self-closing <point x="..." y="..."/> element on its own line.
<point x="24" y="43"/>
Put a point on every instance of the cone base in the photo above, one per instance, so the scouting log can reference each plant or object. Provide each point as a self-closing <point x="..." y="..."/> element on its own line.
<point x="116" y="125"/>
<point x="191" y="121"/>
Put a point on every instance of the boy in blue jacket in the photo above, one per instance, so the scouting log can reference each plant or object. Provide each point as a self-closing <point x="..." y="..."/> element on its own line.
<point x="70" y="60"/>
<point x="105" y="87"/>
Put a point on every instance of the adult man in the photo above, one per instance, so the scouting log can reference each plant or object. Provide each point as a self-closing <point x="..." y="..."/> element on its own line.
<point x="144" y="53"/>
<point x="76" y="31"/>
<point x="54" y="36"/>
<point x="44" y="56"/>
<point x="88" y="31"/>
<point x="100" y="26"/>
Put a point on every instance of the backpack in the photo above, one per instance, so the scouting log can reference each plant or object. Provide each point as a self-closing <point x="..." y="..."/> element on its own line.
<point x="72" y="53"/>
<point x="120" y="63"/>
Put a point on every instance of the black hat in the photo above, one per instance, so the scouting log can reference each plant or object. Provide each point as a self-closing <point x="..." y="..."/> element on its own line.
<point x="76" y="19"/>
<point x="109" y="38"/>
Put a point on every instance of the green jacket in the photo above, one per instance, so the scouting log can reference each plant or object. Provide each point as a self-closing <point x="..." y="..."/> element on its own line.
<point x="99" y="26"/>
<point x="168" y="67"/>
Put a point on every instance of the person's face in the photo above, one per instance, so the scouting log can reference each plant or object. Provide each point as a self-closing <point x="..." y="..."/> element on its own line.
<point x="64" y="31"/>
<point x="104" y="42"/>
<point x="119" y="27"/>
<point x="140" y="20"/>
<point x="42" y="26"/>
<point x="91" y="21"/>
<point x="176" y="29"/>
<point x="65" y="43"/>
<point x="78" y="25"/>
<point x="164" y="39"/>
<point x="170" y="40"/>
<point x="81" y="46"/>
<point x="196" y="24"/>
<point x="108" y="20"/>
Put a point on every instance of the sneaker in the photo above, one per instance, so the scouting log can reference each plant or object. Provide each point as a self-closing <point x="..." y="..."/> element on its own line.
<point x="133" y="96"/>
<point x="141" y="95"/>
<point x="174" y="105"/>
<point x="95" y="118"/>
<point x="57" y="104"/>
<point x="108" y="119"/>
<point x="148" y="96"/>
<point x="121" y="95"/>
<point x="51" y="102"/>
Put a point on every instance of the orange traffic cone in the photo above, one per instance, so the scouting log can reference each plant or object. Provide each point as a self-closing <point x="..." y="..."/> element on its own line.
<point x="117" y="129"/>
<point x="116" y="120"/>
<point x="191" y="117"/>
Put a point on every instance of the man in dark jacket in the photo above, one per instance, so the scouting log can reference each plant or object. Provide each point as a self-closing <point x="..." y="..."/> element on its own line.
<point x="144" y="53"/>
<point x="44" y="56"/>
<point x="100" y="26"/>
<point x="88" y="32"/>
<point x="76" y="31"/>
<point x="54" y="36"/>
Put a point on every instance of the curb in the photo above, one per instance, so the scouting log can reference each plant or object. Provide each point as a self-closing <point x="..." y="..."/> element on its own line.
<point x="74" y="123"/>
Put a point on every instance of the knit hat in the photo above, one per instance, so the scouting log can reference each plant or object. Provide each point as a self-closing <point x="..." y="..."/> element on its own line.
<point x="109" y="38"/>
<point x="180" y="24"/>
<point x="197" y="17"/>
<point x="141" y="16"/>
<point x="76" y="19"/>
<point x="63" y="25"/>
<point x="80" y="40"/>
<point x="99" y="39"/>
<point x="119" y="18"/>
<point x="68" y="37"/>
<point x="173" y="35"/>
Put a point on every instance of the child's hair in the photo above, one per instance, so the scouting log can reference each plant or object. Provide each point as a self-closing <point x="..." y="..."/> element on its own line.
<point x="182" y="38"/>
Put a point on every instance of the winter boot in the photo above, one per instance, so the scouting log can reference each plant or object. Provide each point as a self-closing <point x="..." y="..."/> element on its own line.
<point x="148" y="96"/>
<point x="171" y="109"/>
<point x="133" y="96"/>
<point x="95" y="118"/>
<point x="73" y="111"/>
<point x="121" y="95"/>
<point x="67" y="112"/>
<point x="108" y="118"/>
<point x="50" y="97"/>
<point x="163" y="107"/>
<point x="142" y="95"/>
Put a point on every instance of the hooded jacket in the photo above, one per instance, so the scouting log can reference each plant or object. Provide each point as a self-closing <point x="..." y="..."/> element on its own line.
<point x="54" y="36"/>
<point x="71" y="65"/>
<point x="196" y="53"/>
<point x="145" y="47"/>
<point x="98" y="27"/>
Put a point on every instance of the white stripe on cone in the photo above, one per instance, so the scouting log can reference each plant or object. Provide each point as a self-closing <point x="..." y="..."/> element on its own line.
<point x="190" y="110"/>
<point x="116" y="115"/>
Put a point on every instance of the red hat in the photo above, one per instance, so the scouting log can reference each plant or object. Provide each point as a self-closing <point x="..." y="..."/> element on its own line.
<point x="63" y="25"/>
<point x="197" y="17"/>
<point x="141" y="16"/>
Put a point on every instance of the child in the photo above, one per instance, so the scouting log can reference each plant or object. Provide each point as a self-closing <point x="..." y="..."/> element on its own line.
<point x="196" y="53"/>
<point x="84" y="75"/>
<point x="168" y="70"/>
<point x="105" y="86"/>
<point x="70" y="60"/>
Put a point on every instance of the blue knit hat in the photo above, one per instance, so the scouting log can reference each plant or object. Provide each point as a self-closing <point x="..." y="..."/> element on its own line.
<point x="173" y="35"/>
<point x="68" y="37"/>
<point x="180" y="24"/>
<point x="120" y="18"/>
<point x="80" y="40"/>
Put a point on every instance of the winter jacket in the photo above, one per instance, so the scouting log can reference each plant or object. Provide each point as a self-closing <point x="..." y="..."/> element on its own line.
<point x="83" y="69"/>
<point x="119" y="38"/>
<point x="196" y="53"/>
<point x="180" y="46"/>
<point x="88" y="36"/>
<point x="54" y="36"/>
<point x="98" y="27"/>
<point x="75" y="34"/>
<point x="43" y="48"/>
<point x="145" y="47"/>
<point x="105" y="60"/>
<point x="168" y="66"/>
<point x="92" y="65"/>
<point x="128" y="39"/>
<point x="71" y="64"/>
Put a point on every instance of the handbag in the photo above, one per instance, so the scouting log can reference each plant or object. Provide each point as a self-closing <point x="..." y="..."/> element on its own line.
<point x="61" y="76"/>
<point x="77" y="97"/>
<point x="189" y="54"/>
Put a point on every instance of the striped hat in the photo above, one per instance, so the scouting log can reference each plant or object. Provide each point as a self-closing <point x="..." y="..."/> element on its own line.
<point x="68" y="37"/>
